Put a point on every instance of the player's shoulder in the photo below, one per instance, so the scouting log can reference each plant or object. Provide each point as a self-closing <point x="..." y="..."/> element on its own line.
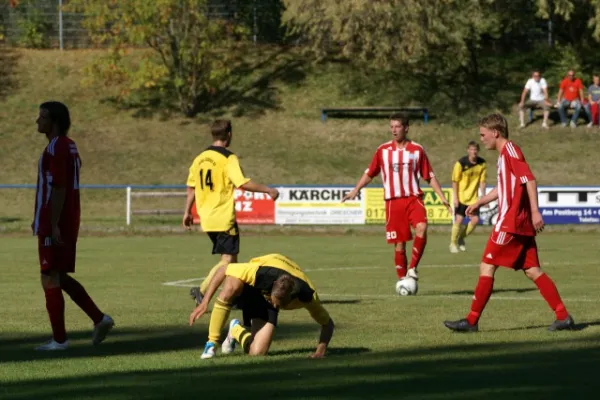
<point x="61" y="144"/>
<point x="386" y="146"/>
<point x="220" y="150"/>
<point x="414" y="146"/>
<point x="463" y="161"/>
<point x="513" y="150"/>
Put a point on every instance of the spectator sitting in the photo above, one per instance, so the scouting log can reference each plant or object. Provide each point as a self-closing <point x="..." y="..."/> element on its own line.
<point x="538" y="98"/>
<point x="593" y="101"/>
<point x="570" y="95"/>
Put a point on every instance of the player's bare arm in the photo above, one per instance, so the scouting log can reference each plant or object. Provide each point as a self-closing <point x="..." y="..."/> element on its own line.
<point x="251" y="186"/>
<point x="58" y="201"/>
<point x="324" y="339"/>
<point x="536" y="216"/>
<point x="215" y="283"/>
<point x="187" y="212"/>
<point x="437" y="188"/>
<point x="455" y="193"/>
<point x="486" y="199"/>
<point x="523" y="94"/>
<point x="362" y="182"/>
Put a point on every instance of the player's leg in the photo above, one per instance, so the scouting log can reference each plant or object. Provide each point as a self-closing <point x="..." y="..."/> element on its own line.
<point x="397" y="232"/>
<point x="473" y="222"/>
<point x="400" y="259"/>
<point x="227" y="244"/>
<point x="232" y="287"/>
<point x="55" y="302"/>
<point x="456" y="228"/>
<point x="500" y="250"/>
<point x="417" y="217"/>
<point x="546" y="286"/>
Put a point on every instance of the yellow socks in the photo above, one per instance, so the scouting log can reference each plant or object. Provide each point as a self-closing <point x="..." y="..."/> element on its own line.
<point x="242" y="336"/>
<point x="218" y="317"/>
<point x="470" y="228"/>
<point x="455" y="233"/>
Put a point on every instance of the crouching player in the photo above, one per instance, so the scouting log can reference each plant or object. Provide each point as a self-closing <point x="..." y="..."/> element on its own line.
<point x="260" y="288"/>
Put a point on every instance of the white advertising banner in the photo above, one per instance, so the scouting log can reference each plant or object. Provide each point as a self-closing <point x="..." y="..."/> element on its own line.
<point x="319" y="206"/>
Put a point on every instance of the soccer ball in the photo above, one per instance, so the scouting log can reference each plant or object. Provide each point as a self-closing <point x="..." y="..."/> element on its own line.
<point x="407" y="286"/>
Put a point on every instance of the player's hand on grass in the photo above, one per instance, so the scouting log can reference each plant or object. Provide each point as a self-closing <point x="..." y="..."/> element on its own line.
<point x="350" y="195"/>
<point x="199" y="311"/>
<point x="188" y="220"/>
<point x="538" y="221"/>
<point x="274" y="193"/>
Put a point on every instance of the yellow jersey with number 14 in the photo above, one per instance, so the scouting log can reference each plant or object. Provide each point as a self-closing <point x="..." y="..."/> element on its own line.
<point x="214" y="175"/>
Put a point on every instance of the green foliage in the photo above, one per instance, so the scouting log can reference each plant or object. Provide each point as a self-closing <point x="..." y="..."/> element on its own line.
<point x="33" y="27"/>
<point x="190" y="53"/>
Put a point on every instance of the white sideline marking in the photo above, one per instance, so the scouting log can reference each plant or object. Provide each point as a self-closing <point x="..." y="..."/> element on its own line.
<point x="183" y="283"/>
<point x="187" y="282"/>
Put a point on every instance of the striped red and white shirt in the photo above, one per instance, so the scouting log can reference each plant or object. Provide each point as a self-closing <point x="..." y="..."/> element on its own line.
<point x="514" y="211"/>
<point x="401" y="169"/>
<point x="58" y="166"/>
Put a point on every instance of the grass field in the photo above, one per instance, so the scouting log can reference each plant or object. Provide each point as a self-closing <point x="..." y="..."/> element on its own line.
<point x="384" y="346"/>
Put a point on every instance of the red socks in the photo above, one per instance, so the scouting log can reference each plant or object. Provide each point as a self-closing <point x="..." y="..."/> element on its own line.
<point x="81" y="298"/>
<point x="550" y="294"/>
<point x="483" y="292"/>
<point x="55" y="304"/>
<point x="417" y="251"/>
<point x="400" y="260"/>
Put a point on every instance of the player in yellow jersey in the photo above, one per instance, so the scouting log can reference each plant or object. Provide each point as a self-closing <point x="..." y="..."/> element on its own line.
<point x="213" y="176"/>
<point x="468" y="178"/>
<point x="261" y="288"/>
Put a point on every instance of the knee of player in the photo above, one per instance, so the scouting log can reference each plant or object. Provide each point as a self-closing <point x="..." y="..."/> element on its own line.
<point x="421" y="228"/>
<point x="533" y="273"/>
<point x="50" y="279"/>
<point x="258" y="351"/>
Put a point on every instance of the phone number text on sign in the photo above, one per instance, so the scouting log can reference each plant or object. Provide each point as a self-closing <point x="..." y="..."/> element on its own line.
<point x="436" y="211"/>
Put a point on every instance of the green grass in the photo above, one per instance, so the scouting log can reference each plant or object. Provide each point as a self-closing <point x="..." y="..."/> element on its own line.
<point x="277" y="131"/>
<point x="384" y="346"/>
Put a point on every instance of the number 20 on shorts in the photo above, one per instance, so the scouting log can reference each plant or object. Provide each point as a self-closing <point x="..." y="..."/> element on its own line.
<point x="391" y="235"/>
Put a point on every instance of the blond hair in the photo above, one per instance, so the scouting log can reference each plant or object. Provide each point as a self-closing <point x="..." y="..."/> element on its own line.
<point x="495" y="122"/>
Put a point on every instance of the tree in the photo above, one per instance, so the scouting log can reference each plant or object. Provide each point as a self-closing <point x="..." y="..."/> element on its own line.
<point x="188" y="51"/>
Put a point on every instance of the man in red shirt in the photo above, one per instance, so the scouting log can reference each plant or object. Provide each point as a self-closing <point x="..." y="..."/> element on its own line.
<point x="56" y="224"/>
<point x="512" y="242"/>
<point x="402" y="163"/>
<point x="570" y="95"/>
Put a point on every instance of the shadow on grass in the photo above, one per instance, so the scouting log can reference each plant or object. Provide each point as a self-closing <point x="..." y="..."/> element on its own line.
<point x="8" y="65"/>
<point x="578" y="327"/>
<point x="565" y="368"/>
<point x="7" y="220"/>
<point x="349" y="301"/>
<point x="15" y="348"/>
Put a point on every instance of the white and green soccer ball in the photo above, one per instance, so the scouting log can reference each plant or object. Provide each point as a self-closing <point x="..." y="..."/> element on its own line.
<point x="407" y="286"/>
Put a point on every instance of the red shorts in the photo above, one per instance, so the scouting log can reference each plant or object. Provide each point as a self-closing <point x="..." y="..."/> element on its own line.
<point x="402" y="213"/>
<point x="512" y="251"/>
<point x="55" y="257"/>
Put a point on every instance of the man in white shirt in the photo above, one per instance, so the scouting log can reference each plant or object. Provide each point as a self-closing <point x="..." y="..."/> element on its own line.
<point x="538" y="98"/>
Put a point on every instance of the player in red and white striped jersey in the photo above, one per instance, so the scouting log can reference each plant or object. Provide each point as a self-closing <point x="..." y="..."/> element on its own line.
<point x="402" y="163"/>
<point x="512" y="242"/>
<point x="56" y="224"/>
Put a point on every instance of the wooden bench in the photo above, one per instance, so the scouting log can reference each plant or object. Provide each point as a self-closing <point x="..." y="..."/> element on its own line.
<point x="346" y="110"/>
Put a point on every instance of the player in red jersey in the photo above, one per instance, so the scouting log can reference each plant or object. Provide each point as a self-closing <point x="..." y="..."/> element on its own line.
<point x="402" y="163"/>
<point x="512" y="242"/>
<point x="56" y="224"/>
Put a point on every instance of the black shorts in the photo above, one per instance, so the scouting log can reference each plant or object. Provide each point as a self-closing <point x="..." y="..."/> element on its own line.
<point x="462" y="210"/>
<point x="224" y="242"/>
<point x="254" y="305"/>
